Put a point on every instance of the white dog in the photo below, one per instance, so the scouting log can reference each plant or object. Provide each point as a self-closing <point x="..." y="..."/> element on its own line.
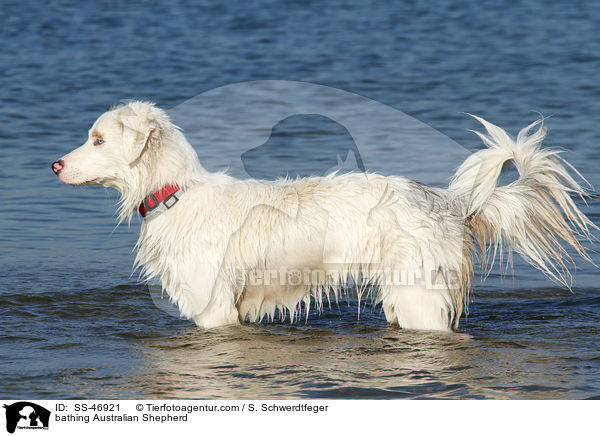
<point x="229" y="250"/>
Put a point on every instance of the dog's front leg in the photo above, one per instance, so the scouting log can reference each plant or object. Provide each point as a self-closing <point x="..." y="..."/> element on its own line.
<point x="220" y="310"/>
<point x="217" y="316"/>
<point x="205" y="295"/>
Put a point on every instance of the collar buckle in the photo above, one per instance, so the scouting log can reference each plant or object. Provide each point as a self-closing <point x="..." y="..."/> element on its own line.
<point x="166" y="196"/>
<point x="170" y="201"/>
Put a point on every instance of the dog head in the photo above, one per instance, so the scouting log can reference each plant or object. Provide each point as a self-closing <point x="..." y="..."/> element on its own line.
<point x="135" y="149"/>
<point x="115" y="142"/>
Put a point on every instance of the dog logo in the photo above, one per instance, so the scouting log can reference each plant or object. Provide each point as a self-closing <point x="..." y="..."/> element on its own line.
<point x="26" y="415"/>
<point x="289" y="152"/>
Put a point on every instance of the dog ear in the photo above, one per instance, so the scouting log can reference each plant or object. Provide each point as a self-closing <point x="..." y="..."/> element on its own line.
<point x="140" y="130"/>
<point x="141" y="142"/>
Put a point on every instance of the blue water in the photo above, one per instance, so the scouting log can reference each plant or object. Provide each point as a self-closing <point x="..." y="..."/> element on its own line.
<point x="76" y="323"/>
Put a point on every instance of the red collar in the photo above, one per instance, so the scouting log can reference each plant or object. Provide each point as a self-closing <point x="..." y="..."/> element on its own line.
<point x="165" y="196"/>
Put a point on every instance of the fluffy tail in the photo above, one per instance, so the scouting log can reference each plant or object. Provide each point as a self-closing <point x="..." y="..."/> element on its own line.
<point x="534" y="215"/>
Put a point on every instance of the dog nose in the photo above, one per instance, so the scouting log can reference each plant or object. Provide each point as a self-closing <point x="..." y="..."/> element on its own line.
<point x="57" y="166"/>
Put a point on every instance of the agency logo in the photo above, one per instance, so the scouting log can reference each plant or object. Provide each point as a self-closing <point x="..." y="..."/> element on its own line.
<point x="26" y="415"/>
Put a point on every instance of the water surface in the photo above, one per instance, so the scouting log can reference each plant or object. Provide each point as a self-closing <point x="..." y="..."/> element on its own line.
<point x="76" y="323"/>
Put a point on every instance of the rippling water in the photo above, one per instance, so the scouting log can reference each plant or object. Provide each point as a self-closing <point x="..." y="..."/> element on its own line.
<point x="75" y="322"/>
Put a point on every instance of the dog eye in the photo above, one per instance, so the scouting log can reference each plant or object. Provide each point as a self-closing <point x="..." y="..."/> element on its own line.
<point x="98" y="141"/>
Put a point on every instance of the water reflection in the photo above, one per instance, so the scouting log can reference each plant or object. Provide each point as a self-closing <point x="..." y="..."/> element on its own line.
<point x="347" y="358"/>
<point x="283" y="361"/>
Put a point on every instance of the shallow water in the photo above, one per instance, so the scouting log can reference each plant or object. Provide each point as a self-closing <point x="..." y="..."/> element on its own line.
<point x="74" y="321"/>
